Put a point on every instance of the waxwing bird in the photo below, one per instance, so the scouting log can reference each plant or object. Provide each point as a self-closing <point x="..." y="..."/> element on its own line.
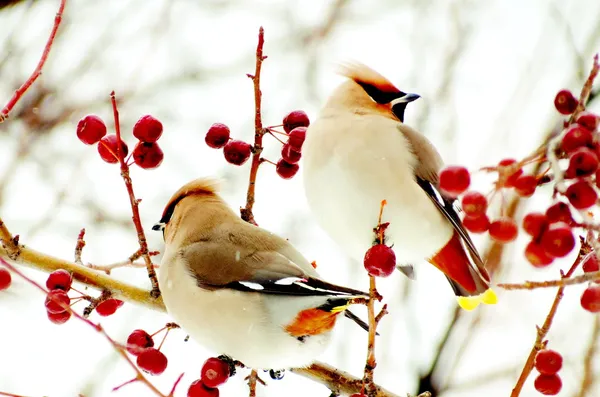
<point x="240" y="290"/>
<point x="358" y="152"/>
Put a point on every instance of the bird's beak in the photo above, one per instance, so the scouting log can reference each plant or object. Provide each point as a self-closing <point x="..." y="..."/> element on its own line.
<point x="158" y="226"/>
<point x="406" y="99"/>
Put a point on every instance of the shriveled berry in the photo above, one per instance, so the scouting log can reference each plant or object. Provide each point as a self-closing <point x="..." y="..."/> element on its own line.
<point x="558" y="240"/>
<point x="536" y="255"/>
<point x="380" y="260"/>
<point x="289" y="154"/>
<point x="285" y="169"/>
<point x="295" y="119"/>
<point x="535" y="223"/>
<point x="237" y="152"/>
<point x="148" y="155"/>
<point x="476" y="224"/>
<point x="511" y="177"/>
<point x="590" y="263"/>
<point x="199" y="389"/>
<point x="59" y="279"/>
<point x="59" y="318"/>
<point x="214" y="372"/>
<point x="581" y="195"/>
<point x="582" y="162"/>
<point x="548" y="385"/>
<point x="217" y="136"/>
<point x="296" y="138"/>
<point x="474" y="203"/>
<point x="454" y="180"/>
<point x="525" y="185"/>
<point x="588" y="120"/>
<point x="5" y="279"/>
<point x="57" y="301"/>
<point x="148" y="129"/>
<point x="590" y="299"/>
<point x="503" y="230"/>
<point x="107" y="148"/>
<point x="559" y="212"/>
<point x="548" y="362"/>
<point x="108" y="307"/>
<point x="90" y="129"/>
<point x="152" y="361"/>
<point x="576" y="137"/>
<point x="138" y="340"/>
<point x="565" y="102"/>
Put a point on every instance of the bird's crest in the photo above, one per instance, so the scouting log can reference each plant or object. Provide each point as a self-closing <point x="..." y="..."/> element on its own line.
<point x="364" y="75"/>
<point x="200" y="186"/>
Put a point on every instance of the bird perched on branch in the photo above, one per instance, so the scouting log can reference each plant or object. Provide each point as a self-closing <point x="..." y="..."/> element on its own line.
<point x="359" y="152"/>
<point x="240" y="290"/>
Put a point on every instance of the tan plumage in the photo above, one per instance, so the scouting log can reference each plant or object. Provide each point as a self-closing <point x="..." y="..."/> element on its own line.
<point x="239" y="289"/>
<point x="358" y="152"/>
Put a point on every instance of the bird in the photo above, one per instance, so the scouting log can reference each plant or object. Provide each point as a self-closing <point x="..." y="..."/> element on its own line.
<point x="358" y="152"/>
<point x="240" y="290"/>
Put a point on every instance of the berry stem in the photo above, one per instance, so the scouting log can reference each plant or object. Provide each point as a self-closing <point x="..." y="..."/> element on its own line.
<point x="38" y="69"/>
<point x="155" y="292"/>
<point x="274" y="136"/>
<point x="259" y="131"/>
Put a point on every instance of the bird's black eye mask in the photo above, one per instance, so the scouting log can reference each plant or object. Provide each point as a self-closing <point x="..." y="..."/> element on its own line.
<point x="397" y="99"/>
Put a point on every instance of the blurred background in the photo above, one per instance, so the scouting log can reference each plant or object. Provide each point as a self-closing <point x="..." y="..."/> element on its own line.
<point x="487" y="73"/>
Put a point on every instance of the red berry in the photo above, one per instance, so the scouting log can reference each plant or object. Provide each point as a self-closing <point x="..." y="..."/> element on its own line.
<point x="588" y="120"/>
<point x="575" y="138"/>
<point x="199" y="389"/>
<point x="296" y="138"/>
<point x="59" y="318"/>
<point x="108" y="307"/>
<point x="510" y="177"/>
<point x="152" y="361"/>
<point x="138" y="340"/>
<point x="147" y="155"/>
<point x="590" y="263"/>
<point x="147" y="129"/>
<point x="107" y="148"/>
<point x="214" y="372"/>
<point x="476" y="224"/>
<point x="504" y="230"/>
<point x="525" y="185"/>
<point x="558" y="240"/>
<point x="559" y="212"/>
<point x="5" y="279"/>
<point x="90" y="129"/>
<point x="358" y="395"/>
<point x="380" y="260"/>
<point x="590" y="299"/>
<point x="548" y="362"/>
<point x="217" y="136"/>
<point x="565" y="102"/>
<point x="237" y="152"/>
<point x="581" y="195"/>
<point x="535" y="223"/>
<point x="295" y="119"/>
<point x="474" y="203"/>
<point x="454" y="180"/>
<point x="548" y="385"/>
<point x="536" y="255"/>
<point x="59" y="279"/>
<point x="582" y="162"/>
<point x="285" y="169"/>
<point x="57" y="301"/>
<point x="289" y="154"/>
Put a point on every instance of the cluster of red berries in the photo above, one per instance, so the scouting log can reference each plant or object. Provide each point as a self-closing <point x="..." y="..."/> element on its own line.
<point x="548" y="363"/>
<point x="214" y="373"/>
<point x="146" y="154"/>
<point x="5" y="278"/>
<point x="237" y="152"/>
<point x="590" y="299"/>
<point x="149" y="359"/>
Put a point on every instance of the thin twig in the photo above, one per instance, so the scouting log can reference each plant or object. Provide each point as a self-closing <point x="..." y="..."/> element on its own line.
<point x="252" y="382"/>
<point x="79" y="247"/>
<point x="38" y="70"/>
<point x="155" y="292"/>
<point x="563" y="282"/>
<point x="259" y="131"/>
<point x="588" y="362"/>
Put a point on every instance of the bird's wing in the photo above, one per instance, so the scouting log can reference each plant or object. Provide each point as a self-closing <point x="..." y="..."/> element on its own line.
<point x="429" y="162"/>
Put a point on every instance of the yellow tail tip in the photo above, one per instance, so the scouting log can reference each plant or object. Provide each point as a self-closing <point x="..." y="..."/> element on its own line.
<point x="489" y="297"/>
<point x="469" y="303"/>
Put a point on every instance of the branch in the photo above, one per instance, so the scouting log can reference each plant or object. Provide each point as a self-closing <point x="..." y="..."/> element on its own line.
<point x="38" y="70"/>
<point x="588" y="363"/>
<point x="563" y="282"/>
<point x="259" y="131"/>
